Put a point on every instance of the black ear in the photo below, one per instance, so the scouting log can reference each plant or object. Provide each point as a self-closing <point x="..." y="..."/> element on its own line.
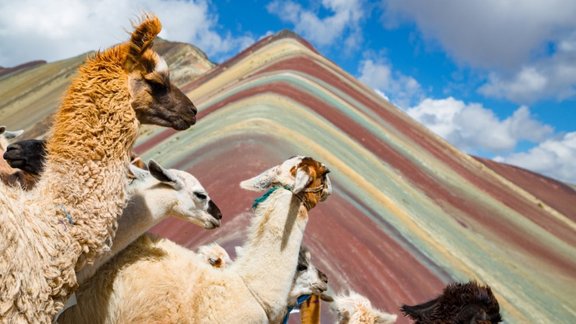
<point x="420" y="311"/>
<point x="159" y="172"/>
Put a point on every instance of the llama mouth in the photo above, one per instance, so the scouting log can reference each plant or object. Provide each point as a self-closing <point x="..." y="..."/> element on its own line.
<point x="14" y="163"/>
<point x="319" y="289"/>
<point x="182" y="124"/>
<point x="212" y="224"/>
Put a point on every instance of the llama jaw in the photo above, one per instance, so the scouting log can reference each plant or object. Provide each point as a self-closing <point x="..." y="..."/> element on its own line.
<point x="215" y="216"/>
<point x="181" y="124"/>
<point x="14" y="163"/>
<point x="212" y="224"/>
<point x="172" y="120"/>
<point x="319" y="289"/>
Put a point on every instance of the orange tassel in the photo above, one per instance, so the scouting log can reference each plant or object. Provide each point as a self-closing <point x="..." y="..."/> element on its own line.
<point x="310" y="310"/>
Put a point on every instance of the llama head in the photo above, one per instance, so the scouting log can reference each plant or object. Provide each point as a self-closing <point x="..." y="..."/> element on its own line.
<point x="355" y="308"/>
<point x="459" y="303"/>
<point x="155" y="99"/>
<point x="6" y="135"/>
<point x="303" y="175"/>
<point x="180" y="193"/>
<point x="308" y="279"/>
<point x="214" y="255"/>
<point x="27" y="155"/>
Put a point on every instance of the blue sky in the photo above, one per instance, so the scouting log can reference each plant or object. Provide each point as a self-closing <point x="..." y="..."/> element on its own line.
<point x="495" y="78"/>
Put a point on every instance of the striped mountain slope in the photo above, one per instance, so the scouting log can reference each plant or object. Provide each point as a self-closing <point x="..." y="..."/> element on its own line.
<point x="409" y="212"/>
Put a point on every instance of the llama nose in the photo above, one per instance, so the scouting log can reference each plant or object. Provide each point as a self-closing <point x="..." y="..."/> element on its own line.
<point x="214" y="210"/>
<point x="11" y="152"/>
<point x="13" y="147"/>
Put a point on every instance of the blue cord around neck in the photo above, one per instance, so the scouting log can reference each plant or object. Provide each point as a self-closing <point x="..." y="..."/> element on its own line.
<point x="299" y="301"/>
<point x="265" y="196"/>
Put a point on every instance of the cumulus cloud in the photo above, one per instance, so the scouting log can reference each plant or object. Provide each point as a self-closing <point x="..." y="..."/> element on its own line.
<point x="488" y="33"/>
<point x="52" y="30"/>
<point x="527" y="45"/>
<point x="554" y="158"/>
<point x="323" y="31"/>
<point x="476" y="129"/>
<point x="553" y="77"/>
<point x="400" y="89"/>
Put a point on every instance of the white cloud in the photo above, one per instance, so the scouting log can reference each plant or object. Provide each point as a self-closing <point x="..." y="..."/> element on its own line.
<point x="474" y="128"/>
<point x="488" y="33"/>
<point x="528" y="45"/>
<point x="396" y="87"/>
<point x="553" y="77"/>
<point x="323" y="31"/>
<point x="52" y="30"/>
<point x="554" y="158"/>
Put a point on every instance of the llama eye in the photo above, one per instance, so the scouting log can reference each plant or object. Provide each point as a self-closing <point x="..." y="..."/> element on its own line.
<point x="200" y="195"/>
<point x="301" y="267"/>
<point x="157" y="87"/>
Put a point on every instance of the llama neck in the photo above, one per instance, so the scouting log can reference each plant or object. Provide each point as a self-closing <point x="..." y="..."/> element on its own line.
<point x="88" y="154"/>
<point x="142" y="212"/>
<point x="95" y="121"/>
<point x="270" y="257"/>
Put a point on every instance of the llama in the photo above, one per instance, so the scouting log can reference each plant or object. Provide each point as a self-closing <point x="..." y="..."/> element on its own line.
<point x="308" y="280"/>
<point x="353" y="308"/>
<point x="8" y="175"/>
<point x="156" y="194"/>
<point x="181" y="195"/>
<point x="255" y="286"/>
<point x="70" y="217"/>
<point x="459" y="303"/>
<point x="308" y="283"/>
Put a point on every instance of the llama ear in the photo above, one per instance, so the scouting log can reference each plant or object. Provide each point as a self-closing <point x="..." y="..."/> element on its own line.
<point x="12" y="134"/>
<point x="141" y="40"/>
<point x="262" y="181"/>
<point x="327" y="191"/>
<point x="215" y="261"/>
<point x="139" y="163"/>
<point x="412" y="311"/>
<point x="137" y="172"/>
<point x="302" y="180"/>
<point x="161" y="174"/>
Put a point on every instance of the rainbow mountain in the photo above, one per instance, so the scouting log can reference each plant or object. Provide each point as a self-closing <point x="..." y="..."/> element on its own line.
<point x="410" y="212"/>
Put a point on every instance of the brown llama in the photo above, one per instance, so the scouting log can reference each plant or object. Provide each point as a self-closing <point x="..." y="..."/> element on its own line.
<point x="70" y="218"/>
